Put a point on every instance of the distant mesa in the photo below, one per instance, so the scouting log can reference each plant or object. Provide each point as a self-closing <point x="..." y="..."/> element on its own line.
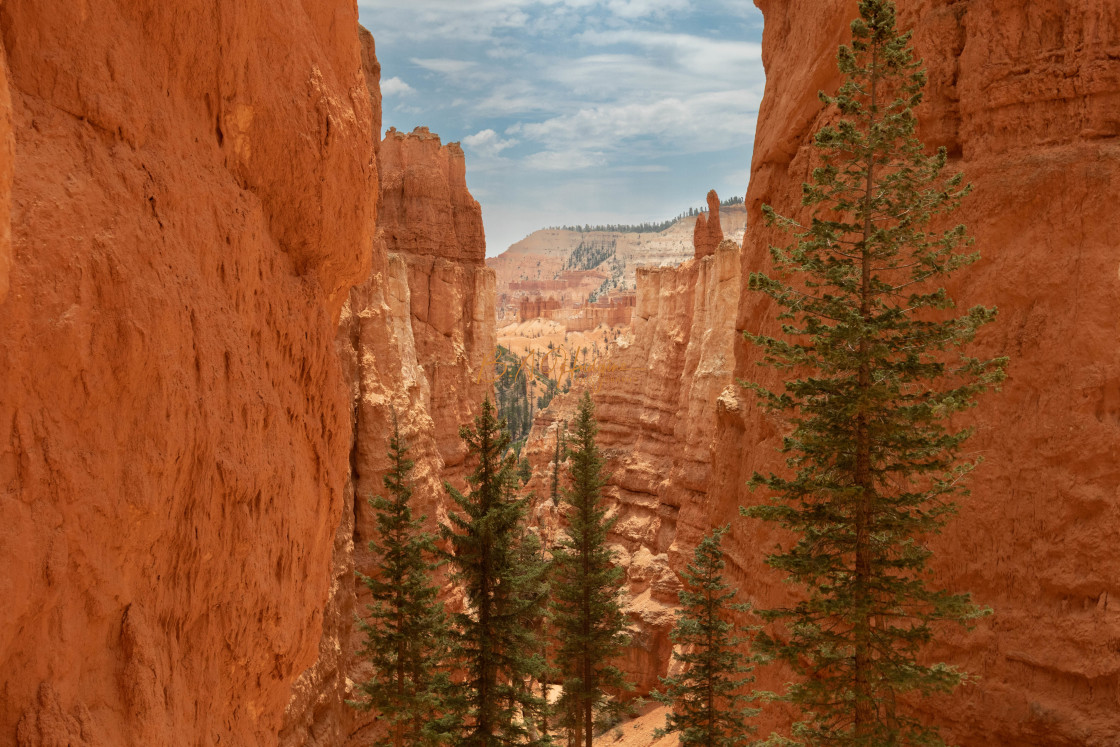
<point x="583" y="265"/>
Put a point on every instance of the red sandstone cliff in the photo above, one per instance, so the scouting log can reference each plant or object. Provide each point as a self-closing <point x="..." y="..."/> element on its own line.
<point x="191" y="196"/>
<point x="413" y="339"/>
<point x="1024" y="96"/>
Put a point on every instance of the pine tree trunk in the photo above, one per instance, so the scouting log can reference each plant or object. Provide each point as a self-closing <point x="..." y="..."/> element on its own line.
<point x="587" y="663"/>
<point x="864" y="715"/>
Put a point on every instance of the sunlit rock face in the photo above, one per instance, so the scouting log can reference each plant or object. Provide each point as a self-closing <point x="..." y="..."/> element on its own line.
<point x="191" y="197"/>
<point x="1024" y="98"/>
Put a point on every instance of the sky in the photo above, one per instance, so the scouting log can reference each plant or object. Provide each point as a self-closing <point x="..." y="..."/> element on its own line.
<point x="577" y="111"/>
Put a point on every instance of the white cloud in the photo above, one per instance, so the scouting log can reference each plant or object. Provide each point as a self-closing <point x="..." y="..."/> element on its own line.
<point x="603" y="110"/>
<point x="444" y="66"/>
<point x="395" y="87"/>
<point x="643" y="8"/>
<point x="698" y="123"/>
<point x="574" y="159"/>
<point x="487" y="143"/>
<point x="707" y="58"/>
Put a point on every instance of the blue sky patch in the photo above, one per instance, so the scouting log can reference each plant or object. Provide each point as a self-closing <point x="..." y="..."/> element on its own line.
<point x="577" y="111"/>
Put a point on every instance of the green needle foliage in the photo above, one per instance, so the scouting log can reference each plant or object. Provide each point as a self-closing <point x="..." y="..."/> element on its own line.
<point x="876" y="463"/>
<point x="587" y="612"/>
<point x="406" y="634"/>
<point x="496" y="646"/>
<point x="533" y="579"/>
<point x="708" y="698"/>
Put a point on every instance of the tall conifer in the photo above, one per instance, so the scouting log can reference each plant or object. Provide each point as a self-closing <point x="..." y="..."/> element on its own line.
<point x="406" y="631"/>
<point x="708" y="698"/>
<point x="533" y="578"/>
<point x="876" y="463"/>
<point x="587" y="612"/>
<point x="495" y="642"/>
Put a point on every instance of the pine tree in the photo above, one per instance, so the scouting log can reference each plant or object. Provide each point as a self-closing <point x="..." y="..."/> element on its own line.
<point x="876" y="464"/>
<point x="587" y="611"/>
<point x="533" y="580"/>
<point x="496" y="647"/>
<point x="406" y="632"/>
<point x="708" y="698"/>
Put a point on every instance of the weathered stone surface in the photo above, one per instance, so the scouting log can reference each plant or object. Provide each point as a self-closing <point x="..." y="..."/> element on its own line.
<point x="426" y="210"/>
<point x="1024" y="97"/>
<point x="191" y="198"/>
<point x="707" y="234"/>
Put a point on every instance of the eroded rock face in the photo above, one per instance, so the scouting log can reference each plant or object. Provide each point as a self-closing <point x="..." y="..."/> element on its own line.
<point x="656" y="400"/>
<point x="1024" y="97"/>
<point x="431" y="221"/>
<point x="707" y="233"/>
<point x="191" y="198"/>
<point x="415" y="339"/>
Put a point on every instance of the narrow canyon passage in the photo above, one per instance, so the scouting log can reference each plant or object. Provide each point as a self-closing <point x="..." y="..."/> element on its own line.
<point x="221" y="279"/>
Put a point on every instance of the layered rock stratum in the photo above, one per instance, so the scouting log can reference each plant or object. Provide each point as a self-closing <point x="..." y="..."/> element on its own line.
<point x="192" y="195"/>
<point x="1024" y="98"/>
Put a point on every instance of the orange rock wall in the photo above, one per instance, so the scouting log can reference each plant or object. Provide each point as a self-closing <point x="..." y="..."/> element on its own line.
<point x="1024" y="96"/>
<point x="191" y="198"/>
<point x="413" y="339"/>
<point x="426" y="209"/>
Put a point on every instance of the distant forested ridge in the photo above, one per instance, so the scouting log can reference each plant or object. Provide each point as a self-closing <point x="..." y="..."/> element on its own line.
<point x="644" y="227"/>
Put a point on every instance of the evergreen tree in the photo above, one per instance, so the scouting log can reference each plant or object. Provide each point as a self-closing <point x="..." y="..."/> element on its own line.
<point x="497" y="649"/>
<point x="587" y="611"/>
<point x="533" y="580"/>
<point x="707" y="699"/>
<point x="406" y="634"/>
<point x="875" y="462"/>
